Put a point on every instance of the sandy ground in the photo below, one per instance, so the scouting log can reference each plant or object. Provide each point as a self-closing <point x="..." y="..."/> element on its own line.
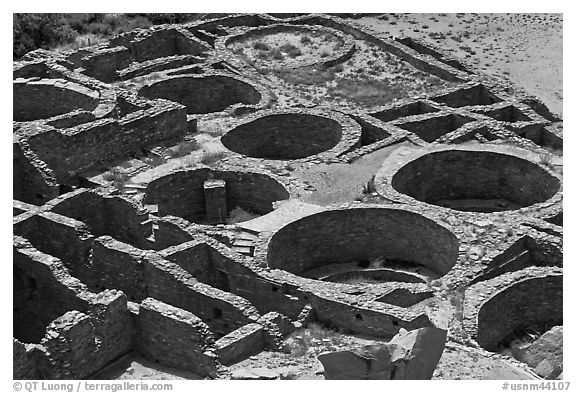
<point x="524" y="48"/>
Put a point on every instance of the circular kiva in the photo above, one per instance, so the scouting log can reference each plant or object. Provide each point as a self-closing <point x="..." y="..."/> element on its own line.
<point x="45" y="98"/>
<point x="203" y="94"/>
<point x="284" y="46"/>
<point x="292" y="135"/>
<point x="534" y="303"/>
<point x="472" y="180"/>
<point x="196" y="195"/>
<point x="355" y="235"/>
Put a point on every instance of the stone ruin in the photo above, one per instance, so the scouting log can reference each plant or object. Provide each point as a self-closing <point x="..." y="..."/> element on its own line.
<point x="465" y="211"/>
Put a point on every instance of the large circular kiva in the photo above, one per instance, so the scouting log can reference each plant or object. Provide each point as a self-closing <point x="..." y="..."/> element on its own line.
<point x="475" y="180"/>
<point x="206" y="94"/>
<point x="534" y="303"/>
<point x="45" y="98"/>
<point x="196" y="194"/>
<point x="284" y="136"/>
<point x="345" y="236"/>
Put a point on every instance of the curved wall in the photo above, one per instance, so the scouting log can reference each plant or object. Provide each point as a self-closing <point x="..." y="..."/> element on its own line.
<point x="341" y="236"/>
<point x="484" y="175"/>
<point x="284" y="136"/>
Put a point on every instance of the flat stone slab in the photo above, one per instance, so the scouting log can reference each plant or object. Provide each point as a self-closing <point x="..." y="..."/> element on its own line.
<point x="254" y="373"/>
<point x="286" y="213"/>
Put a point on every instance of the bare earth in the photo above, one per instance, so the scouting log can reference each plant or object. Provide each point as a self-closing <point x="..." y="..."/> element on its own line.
<point x="524" y="48"/>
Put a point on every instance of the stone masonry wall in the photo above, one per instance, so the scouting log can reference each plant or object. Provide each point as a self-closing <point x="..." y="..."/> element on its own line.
<point x="43" y="290"/>
<point x="86" y="146"/>
<point x="182" y="193"/>
<point x="284" y="136"/>
<point x="175" y="338"/>
<point x="203" y="94"/>
<point x="362" y="234"/>
<point x="446" y="175"/>
<point x="77" y="345"/>
<point x="47" y="98"/>
<point x="69" y="239"/>
<point x="222" y="311"/>
<point x="116" y="265"/>
<point x="530" y="302"/>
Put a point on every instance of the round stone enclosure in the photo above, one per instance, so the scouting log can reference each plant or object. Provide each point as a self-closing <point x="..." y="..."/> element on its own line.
<point x="475" y="180"/>
<point x="353" y="235"/>
<point x="532" y="303"/>
<point x="205" y="94"/>
<point x="45" y="98"/>
<point x="183" y="193"/>
<point x="284" y="136"/>
<point x="288" y="46"/>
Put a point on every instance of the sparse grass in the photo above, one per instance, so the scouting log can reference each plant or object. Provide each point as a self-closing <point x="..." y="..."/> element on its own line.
<point x="238" y="214"/>
<point x="187" y="162"/>
<point x="300" y="341"/>
<point x="276" y="54"/>
<point x="377" y="263"/>
<point x="307" y="76"/>
<point x="153" y="160"/>
<point x="117" y="177"/>
<point x="367" y="92"/>
<point x="210" y="157"/>
<point x="182" y="149"/>
<point x="369" y="187"/>
<point x="261" y="46"/>
<point x="457" y="301"/>
<point x="546" y="160"/>
<point x="291" y="50"/>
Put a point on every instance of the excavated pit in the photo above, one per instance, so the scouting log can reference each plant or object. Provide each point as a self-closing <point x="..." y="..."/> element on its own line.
<point x="202" y="95"/>
<point x="340" y="241"/>
<point x="284" y="136"/>
<point x="197" y="195"/>
<point x="42" y="99"/>
<point x="532" y="304"/>
<point x="477" y="181"/>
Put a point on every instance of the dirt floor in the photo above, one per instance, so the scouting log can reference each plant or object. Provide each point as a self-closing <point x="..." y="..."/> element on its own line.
<point x="524" y="48"/>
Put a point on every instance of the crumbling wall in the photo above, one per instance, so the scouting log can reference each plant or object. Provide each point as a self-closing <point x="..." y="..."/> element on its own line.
<point x="116" y="265"/>
<point x="23" y="364"/>
<point x="361" y="234"/>
<point x="89" y="145"/>
<point x="69" y="239"/>
<point x="45" y="98"/>
<point x="43" y="290"/>
<point x="31" y="181"/>
<point x="175" y="338"/>
<point x="104" y="214"/>
<point x="203" y="94"/>
<point x="222" y="311"/>
<point x="78" y="344"/>
<point x="182" y="193"/>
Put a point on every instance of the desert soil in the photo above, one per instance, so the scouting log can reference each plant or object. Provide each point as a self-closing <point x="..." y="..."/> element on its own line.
<point x="524" y="48"/>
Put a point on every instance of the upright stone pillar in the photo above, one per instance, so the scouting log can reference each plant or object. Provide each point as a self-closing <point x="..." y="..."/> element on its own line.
<point x="216" y="205"/>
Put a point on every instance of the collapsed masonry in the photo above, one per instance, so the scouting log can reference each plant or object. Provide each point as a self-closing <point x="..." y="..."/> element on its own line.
<point x="156" y="266"/>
